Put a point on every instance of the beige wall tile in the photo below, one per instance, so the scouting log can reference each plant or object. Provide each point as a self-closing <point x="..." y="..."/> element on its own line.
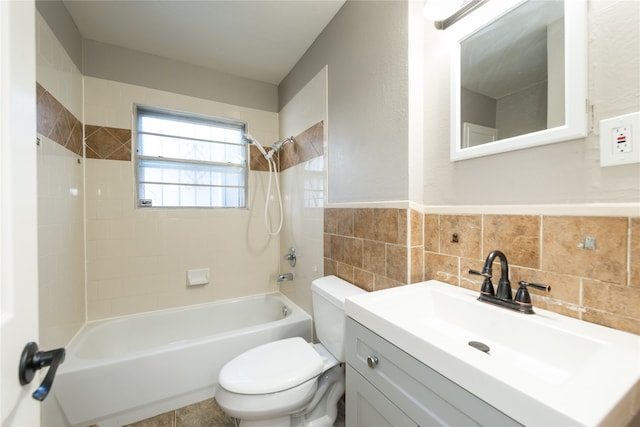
<point x="441" y="267"/>
<point x="345" y="272"/>
<point x="417" y="265"/>
<point x="563" y="287"/>
<point x="364" y="223"/>
<point x="382" y="282"/>
<point x="517" y="236"/>
<point x="344" y="222"/>
<point x="561" y="252"/>
<point x="330" y="220"/>
<point x="432" y="233"/>
<point x="397" y="263"/>
<point x="330" y="267"/>
<point x="347" y="250"/>
<point x="612" y="320"/>
<point x="469" y="231"/>
<point x="363" y="279"/>
<point x="611" y="298"/>
<point x="634" y="260"/>
<point x="386" y="225"/>
<point x="417" y="234"/>
<point x="327" y="245"/>
<point x="374" y="257"/>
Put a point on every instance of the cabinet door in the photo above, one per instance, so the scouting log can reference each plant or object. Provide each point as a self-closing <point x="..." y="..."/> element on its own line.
<point x="367" y="407"/>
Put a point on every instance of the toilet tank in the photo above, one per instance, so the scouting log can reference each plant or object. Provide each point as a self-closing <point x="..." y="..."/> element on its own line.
<point x="328" y="295"/>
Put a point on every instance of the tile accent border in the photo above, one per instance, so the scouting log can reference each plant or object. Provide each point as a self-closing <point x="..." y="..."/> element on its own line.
<point x="56" y="122"/>
<point x="307" y="145"/>
<point x="107" y="143"/>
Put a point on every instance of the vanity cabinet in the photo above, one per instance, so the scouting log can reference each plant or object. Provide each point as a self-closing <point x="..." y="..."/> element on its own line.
<point x="386" y="386"/>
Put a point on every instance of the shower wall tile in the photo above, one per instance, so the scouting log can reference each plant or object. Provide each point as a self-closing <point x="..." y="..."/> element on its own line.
<point x="61" y="193"/>
<point x="137" y="258"/>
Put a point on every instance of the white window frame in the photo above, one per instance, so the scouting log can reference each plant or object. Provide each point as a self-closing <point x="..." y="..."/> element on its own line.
<point x="196" y="119"/>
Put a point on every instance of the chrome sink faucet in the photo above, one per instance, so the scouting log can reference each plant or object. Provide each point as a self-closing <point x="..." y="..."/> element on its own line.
<point x="502" y="296"/>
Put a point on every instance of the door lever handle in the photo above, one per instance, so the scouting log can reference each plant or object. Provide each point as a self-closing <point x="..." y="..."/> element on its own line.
<point x="33" y="360"/>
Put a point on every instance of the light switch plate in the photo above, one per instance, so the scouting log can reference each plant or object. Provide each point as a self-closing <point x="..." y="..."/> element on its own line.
<point x="620" y="140"/>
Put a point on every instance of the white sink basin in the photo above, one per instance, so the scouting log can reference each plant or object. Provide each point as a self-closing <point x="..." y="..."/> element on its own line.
<point x="540" y="369"/>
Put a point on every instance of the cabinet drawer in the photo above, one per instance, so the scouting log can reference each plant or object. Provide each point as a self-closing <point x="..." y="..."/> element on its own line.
<point x="422" y="393"/>
<point x="368" y="407"/>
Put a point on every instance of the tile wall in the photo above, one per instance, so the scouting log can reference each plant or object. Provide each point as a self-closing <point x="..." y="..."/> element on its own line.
<point x="60" y="191"/>
<point x="369" y="247"/>
<point x="137" y="258"/>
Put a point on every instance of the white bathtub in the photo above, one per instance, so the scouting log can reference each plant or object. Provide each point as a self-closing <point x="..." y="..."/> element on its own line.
<point x="122" y="370"/>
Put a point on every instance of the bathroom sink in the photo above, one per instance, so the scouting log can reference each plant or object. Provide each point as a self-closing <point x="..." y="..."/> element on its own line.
<point x="543" y="368"/>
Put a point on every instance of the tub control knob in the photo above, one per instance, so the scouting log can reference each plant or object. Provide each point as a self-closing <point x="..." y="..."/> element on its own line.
<point x="372" y="361"/>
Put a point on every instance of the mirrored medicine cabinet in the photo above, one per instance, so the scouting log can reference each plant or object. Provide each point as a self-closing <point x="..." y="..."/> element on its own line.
<point x="518" y="76"/>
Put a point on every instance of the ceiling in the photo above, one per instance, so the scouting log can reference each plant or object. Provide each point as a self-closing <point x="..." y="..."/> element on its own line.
<point x="256" y="39"/>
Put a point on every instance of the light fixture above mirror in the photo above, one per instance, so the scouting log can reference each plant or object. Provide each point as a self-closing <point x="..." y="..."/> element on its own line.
<point x="518" y="76"/>
<point x="445" y="13"/>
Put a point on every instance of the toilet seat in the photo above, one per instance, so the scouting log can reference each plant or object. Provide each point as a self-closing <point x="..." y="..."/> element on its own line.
<point x="272" y="367"/>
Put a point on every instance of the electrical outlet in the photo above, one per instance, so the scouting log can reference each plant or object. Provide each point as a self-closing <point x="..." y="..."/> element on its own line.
<point x="620" y="140"/>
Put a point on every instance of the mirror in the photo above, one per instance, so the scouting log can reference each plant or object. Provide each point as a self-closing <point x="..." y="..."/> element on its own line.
<point x="518" y="77"/>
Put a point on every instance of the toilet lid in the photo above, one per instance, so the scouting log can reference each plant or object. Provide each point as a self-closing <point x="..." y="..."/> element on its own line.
<point x="272" y="367"/>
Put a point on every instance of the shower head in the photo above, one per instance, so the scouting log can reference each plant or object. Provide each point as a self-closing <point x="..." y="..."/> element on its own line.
<point x="248" y="139"/>
<point x="278" y="145"/>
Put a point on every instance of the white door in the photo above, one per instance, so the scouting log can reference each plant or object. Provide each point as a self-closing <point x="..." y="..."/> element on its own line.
<point x="18" y="209"/>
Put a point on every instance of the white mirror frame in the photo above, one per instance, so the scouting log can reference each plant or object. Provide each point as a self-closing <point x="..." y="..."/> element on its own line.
<point x="576" y="103"/>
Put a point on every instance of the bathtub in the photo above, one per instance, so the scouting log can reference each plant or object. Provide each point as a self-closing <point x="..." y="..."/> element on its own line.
<point x="122" y="370"/>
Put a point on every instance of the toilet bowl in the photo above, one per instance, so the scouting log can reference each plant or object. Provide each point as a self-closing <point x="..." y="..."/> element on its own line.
<point x="290" y="382"/>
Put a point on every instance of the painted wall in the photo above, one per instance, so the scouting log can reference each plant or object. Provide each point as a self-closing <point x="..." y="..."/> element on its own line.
<point x="365" y="48"/>
<point x="137" y="258"/>
<point x="60" y="191"/>
<point x="567" y="172"/>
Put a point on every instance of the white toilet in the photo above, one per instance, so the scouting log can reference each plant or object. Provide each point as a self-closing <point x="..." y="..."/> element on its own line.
<point x="292" y="382"/>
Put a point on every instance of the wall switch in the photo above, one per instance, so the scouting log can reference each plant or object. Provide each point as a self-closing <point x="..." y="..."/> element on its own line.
<point x="620" y="140"/>
<point x="196" y="277"/>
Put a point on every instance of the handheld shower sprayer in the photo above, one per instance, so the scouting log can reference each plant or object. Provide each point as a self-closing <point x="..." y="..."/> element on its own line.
<point x="275" y="148"/>
<point x="248" y="139"/>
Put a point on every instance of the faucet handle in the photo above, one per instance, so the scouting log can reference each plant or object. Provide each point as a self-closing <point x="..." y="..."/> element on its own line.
<point x="480" y="273"/>
<point x="539" y="286"/>
<point x="487" y="286"/>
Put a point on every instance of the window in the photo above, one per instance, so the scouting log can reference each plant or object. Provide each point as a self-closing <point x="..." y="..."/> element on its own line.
<point x="186" y="160"/>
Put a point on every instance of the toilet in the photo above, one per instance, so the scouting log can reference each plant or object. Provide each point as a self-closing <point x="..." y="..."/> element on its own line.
<point x="290" y="382"/>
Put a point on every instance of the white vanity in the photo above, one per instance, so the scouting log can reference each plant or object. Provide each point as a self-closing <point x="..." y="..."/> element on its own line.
<point x="409" y="362"/>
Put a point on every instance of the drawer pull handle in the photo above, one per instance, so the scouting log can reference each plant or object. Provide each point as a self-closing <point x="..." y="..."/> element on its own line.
<point x="372" y="361"/>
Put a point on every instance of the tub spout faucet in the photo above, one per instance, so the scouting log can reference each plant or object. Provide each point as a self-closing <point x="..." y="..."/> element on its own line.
<point x="286" y="277"/>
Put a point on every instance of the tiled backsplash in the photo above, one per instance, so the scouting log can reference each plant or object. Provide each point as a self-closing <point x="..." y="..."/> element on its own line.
<point x="375" y="249"/>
